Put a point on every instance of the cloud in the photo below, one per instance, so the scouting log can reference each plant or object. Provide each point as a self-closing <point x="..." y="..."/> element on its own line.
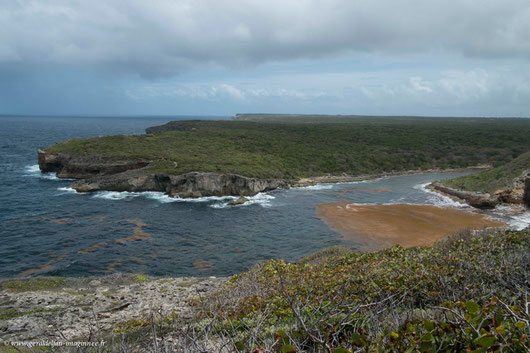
<point x="477" y="91"/>
<point x="167" y="37"/>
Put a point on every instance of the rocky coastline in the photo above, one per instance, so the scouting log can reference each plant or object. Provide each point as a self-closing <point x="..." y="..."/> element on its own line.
<point x="516" y="193"/>
<point x="95" y="173"/>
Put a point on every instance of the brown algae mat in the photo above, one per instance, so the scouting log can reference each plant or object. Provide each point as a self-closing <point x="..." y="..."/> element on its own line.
<point x="380" y="226"/>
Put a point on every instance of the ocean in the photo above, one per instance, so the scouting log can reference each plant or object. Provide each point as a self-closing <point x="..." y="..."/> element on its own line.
<point x="46" y="228"/>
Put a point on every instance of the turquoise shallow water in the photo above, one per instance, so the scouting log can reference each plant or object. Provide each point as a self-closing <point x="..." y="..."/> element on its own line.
<point x="47" y="229"/>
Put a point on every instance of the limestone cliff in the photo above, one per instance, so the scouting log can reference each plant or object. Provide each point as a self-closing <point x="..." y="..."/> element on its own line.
<point x="96" y="173"/>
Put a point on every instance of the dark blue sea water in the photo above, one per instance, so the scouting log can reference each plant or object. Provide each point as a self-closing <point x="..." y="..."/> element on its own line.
<point x="47" y="229"/>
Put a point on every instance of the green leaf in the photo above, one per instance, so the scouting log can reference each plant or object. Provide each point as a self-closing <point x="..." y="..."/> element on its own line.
<point x="472" y="307"/>
<point x="280" y="334"/>
<point x="487" y="342"/>
<point x="427" y="338"/>
<point x="288" y="349"/>
<point x="240" y="346"/>
<point x="356" y="338"/>
<point x="429" y="325"/>
<point x="520" y="325"/>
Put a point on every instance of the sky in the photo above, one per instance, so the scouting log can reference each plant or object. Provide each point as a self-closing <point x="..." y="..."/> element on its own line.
<point x="205" y="57"/>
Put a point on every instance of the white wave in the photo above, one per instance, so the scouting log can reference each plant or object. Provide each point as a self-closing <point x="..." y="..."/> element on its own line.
<point x="316" y="187"/>
<point x="67" y="189"/>
<point x="438" y="199"/>
<point x="32" y="168"/>
<point x="34" y="171"/>
<point x="519" y="222"/>
<point x="115" y="195"/>
<point x="165" y="198"/>
<point x="204" y="199"/>
<point x="262" y="199"/>
<point x="514" y="220"/>
<point x="158" y="196"/>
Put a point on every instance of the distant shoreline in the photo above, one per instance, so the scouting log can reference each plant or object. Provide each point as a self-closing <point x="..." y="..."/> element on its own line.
<point x="352" y="178"/>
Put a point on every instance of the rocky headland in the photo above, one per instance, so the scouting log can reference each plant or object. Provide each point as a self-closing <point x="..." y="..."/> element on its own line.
<point x="96" y="173"/>
<point x="242" y="158"/>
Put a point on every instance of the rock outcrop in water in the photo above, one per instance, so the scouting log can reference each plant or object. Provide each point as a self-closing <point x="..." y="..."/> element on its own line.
<point x="518" y="193"/>
<point x="482" y="201"/>
<point x="97" y="174"/>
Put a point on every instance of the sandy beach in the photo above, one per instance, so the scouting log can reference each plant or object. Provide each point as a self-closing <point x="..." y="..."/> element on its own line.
<point x="380" y="226"/>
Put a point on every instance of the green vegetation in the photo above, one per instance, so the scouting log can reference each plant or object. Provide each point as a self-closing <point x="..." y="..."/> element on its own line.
<point x="303" y="147"/>
<point x="494" y="179"/>
<point x="10" y="313"/>
<point x="460" y="294"/>
<point x="33" y="284"/>
<point x="467" y="293"/>
<point x="140" y="279"/>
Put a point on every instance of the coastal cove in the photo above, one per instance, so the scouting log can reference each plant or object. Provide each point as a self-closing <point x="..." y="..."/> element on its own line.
<point x="49" y="229"/>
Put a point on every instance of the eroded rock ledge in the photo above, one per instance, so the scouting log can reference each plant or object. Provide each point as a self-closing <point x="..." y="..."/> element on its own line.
<point x="517" y="193"/>
<point x="97" y="173"/>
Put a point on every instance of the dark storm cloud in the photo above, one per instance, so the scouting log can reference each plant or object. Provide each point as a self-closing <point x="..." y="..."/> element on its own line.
<point x="165" y="37"/>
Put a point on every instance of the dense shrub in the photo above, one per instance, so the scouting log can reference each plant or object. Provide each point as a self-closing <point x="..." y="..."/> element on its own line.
<point x="467" y="293"/>
<point x="302" y="148"/>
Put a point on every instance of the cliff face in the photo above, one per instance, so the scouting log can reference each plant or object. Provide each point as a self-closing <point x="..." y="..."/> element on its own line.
<point x="195" y="184"/>
<point x="84" y="166"/>
<point x="97" y="174"/>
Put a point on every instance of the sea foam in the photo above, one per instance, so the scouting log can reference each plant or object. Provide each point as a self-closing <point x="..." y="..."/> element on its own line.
<point x="438" y="199"/>
<point x="115" y="195"/>
<point x="261" y="199"/>
<point x="34" y="171"/>
<point x="315" y="187"/>
<point x="519" y="222"/>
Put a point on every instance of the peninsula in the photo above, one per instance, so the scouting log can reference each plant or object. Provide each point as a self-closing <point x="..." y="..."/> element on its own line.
<point x="253" y="153"/>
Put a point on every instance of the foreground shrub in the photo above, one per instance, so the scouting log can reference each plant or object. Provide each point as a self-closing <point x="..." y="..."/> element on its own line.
<point x="467" y="293"/>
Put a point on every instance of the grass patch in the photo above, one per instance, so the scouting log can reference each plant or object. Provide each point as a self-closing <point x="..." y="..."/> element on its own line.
<point x="33" y="284"/>
<point x="140" y="279"/>
<point x="7" y="314"/>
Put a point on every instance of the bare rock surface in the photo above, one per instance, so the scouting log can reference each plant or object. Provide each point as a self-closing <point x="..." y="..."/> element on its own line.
<point x="241" y="200"/>
<point x="84" y="305"/>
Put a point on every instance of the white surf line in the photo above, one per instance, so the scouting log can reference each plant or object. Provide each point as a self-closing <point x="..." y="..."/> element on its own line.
<point x="262" y="199"/>
<point x="438" y="199"/>
<point x="34" y="171"/>
<point x="514" y="221"/>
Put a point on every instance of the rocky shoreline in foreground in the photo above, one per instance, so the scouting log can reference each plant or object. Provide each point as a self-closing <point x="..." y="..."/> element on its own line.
<point x="57" y="308"/>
